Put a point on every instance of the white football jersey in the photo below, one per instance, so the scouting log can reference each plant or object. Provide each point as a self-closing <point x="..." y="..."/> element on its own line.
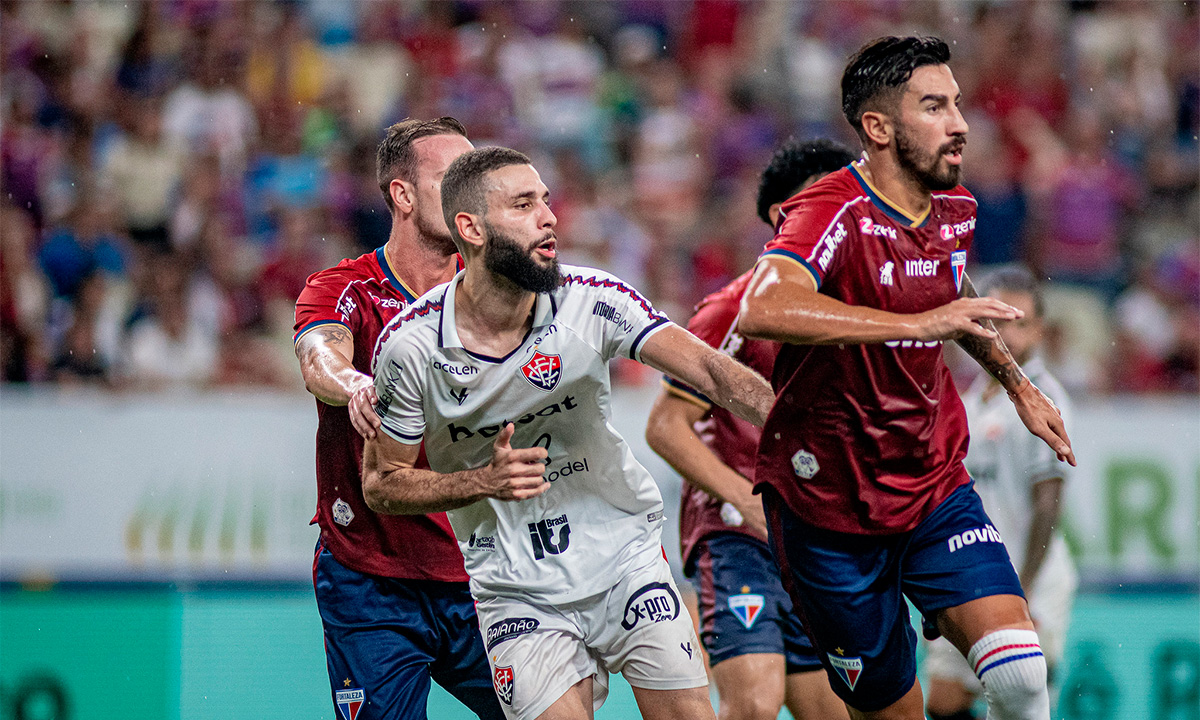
<point x="1006" y="461"/>
<point x="603" y="512"/>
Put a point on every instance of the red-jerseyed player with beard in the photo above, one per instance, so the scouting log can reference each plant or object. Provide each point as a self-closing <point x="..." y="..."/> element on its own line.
<point x="391" y="590"/>
<point x="861" y="458"/>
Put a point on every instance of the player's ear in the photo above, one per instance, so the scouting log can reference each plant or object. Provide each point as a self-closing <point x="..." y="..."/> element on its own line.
<point x="403" y="195"/>
<point x="877" y="127"/>
<point x="470" y="229"/>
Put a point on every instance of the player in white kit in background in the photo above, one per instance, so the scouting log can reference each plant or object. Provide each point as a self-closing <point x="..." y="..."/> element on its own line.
<point x="1021" y="483"/>
<point x="503" y="372"/>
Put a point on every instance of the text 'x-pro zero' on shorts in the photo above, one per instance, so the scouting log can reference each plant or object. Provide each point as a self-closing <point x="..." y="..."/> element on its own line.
<point x="638" y="628"/>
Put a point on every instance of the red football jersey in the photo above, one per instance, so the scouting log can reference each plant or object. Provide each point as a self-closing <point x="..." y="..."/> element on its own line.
<point x="363" y="294"/>
<point x="731" y="438"/>
<point x="868" y="439"/>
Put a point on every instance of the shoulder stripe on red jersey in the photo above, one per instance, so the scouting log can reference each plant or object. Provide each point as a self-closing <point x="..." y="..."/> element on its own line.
<point x="789" y="255"/>
<point x="315" y="324"/>
<point x="386" y="267"/>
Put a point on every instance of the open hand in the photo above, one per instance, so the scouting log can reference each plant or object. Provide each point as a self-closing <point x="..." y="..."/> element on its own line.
<point x="362" y="410"/>
<point x="1043" y="419"/>
<point x="960" y="317"/>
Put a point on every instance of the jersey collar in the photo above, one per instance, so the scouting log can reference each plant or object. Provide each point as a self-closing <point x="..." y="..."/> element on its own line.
<point x="389" y="273"/>
<point x="543" y="314"/>
<point x="889" y="208"/>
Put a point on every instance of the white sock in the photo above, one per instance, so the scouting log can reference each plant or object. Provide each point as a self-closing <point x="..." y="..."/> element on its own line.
<point x="1012" y="669"/>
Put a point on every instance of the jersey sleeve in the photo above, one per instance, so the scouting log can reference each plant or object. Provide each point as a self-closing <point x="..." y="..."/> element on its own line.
<point x="325" y="300"/>
<point x="810" y="235"/>
<point x="398" y="384"/>
<point x="616" y="318"/>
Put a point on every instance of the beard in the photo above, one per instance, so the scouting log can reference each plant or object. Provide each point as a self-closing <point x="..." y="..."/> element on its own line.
<point x="507" y="258"/>
<point x="925" y="167"/>
<point x="434" y="234"/>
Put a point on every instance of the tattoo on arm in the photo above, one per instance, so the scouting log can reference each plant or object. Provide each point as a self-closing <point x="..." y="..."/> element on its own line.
<point x="333" y="334"/>
<point x="992" y="355"/>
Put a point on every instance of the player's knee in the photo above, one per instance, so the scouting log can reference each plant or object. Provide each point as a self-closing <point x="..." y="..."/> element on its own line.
<point x="750" y="707"/>
<point x="1012" y="669"/>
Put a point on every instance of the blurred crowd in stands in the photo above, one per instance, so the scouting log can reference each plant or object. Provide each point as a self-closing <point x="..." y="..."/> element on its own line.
<point x="173" y="170"/>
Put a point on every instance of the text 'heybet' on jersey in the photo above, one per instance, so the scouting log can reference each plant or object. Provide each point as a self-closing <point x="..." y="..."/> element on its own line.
<point x="554" y="387"/>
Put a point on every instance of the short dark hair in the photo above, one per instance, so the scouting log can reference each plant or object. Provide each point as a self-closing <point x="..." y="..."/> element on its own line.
<point x="462" y="185"/>
<point x="876" y="73"/>
<point x="396" y="160"/>
<point x="1013" y="278"/>
<point x="792" y="165"/>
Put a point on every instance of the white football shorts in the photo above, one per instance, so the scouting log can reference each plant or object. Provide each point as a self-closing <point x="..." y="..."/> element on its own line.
<point x="639" y="628"/>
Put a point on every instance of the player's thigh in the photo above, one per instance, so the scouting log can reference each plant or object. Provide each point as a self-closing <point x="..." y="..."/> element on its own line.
<point x="957" y="572"/>
<point x="809" y="697"/>
<point x="743" y="607"/>
<point x="378" y="642"/>
<point x="846" y="590"/>
<point x="461" y="665"/>
<point x="691" y="703"/>
<point x="751" y="686"/>
<point x="640" y="629"/>
<point x="536" y="655"/>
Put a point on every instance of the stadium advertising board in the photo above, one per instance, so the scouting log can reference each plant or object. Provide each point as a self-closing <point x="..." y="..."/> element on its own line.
<point x="221" y="487"/>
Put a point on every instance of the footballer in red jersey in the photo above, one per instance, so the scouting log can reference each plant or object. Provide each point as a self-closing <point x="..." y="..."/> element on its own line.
<point x="861" y="458"/>
<point x="760" y="656"/>
<point x="391" y="590"/>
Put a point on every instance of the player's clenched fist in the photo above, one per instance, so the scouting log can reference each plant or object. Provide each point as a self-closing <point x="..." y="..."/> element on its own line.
<point x="515" y="473"/>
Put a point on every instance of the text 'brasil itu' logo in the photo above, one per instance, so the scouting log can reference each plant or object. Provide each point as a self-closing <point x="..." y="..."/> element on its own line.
<point x="543" y="371"/>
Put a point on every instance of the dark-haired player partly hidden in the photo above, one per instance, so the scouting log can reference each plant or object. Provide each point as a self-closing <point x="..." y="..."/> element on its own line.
<point x="861" y="461"/>
<point x="761" y="659"/>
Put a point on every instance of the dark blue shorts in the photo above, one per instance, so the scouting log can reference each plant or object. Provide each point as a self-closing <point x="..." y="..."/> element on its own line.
<point x="743" y="606"/>
<point x="386" y="638"/>
<point x="850" y="589"/>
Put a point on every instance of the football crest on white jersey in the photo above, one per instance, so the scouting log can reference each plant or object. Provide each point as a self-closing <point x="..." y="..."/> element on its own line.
<point x="885" y="273"/>
<point x="543" y="371"/>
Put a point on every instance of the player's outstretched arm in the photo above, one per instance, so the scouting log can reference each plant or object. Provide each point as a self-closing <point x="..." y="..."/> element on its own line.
<point x="726" y="381"/>
<point x="782" y="304"/>
<point x="1036" y="410"/>
<point x="1046" y="497"/>
<point x="393" y="485"/>
<point x="670" y="433"/>
<point x="326" y="355"/>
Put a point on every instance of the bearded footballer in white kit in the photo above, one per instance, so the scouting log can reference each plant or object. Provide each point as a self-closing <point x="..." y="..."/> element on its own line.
<point x="503" y="372"/>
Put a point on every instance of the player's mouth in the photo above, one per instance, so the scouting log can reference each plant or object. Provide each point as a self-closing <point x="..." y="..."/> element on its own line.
<point x="547" y="248"/>
<point x="953" y="153"/>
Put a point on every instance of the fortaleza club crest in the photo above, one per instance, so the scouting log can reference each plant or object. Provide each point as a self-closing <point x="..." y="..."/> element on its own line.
<point x="503" y="678"/>
<point x="848" y="668"/>
<point x="543" y="371"/>
<point x="958" y="263"/>
<point x="746" y="607"/>
<point x="349" y="702"/>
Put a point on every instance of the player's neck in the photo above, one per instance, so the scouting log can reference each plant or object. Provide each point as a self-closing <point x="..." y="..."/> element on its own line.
<point x="491" y="314"/>
<point x="883" y="171"/>
<point x="416" y="262"/>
